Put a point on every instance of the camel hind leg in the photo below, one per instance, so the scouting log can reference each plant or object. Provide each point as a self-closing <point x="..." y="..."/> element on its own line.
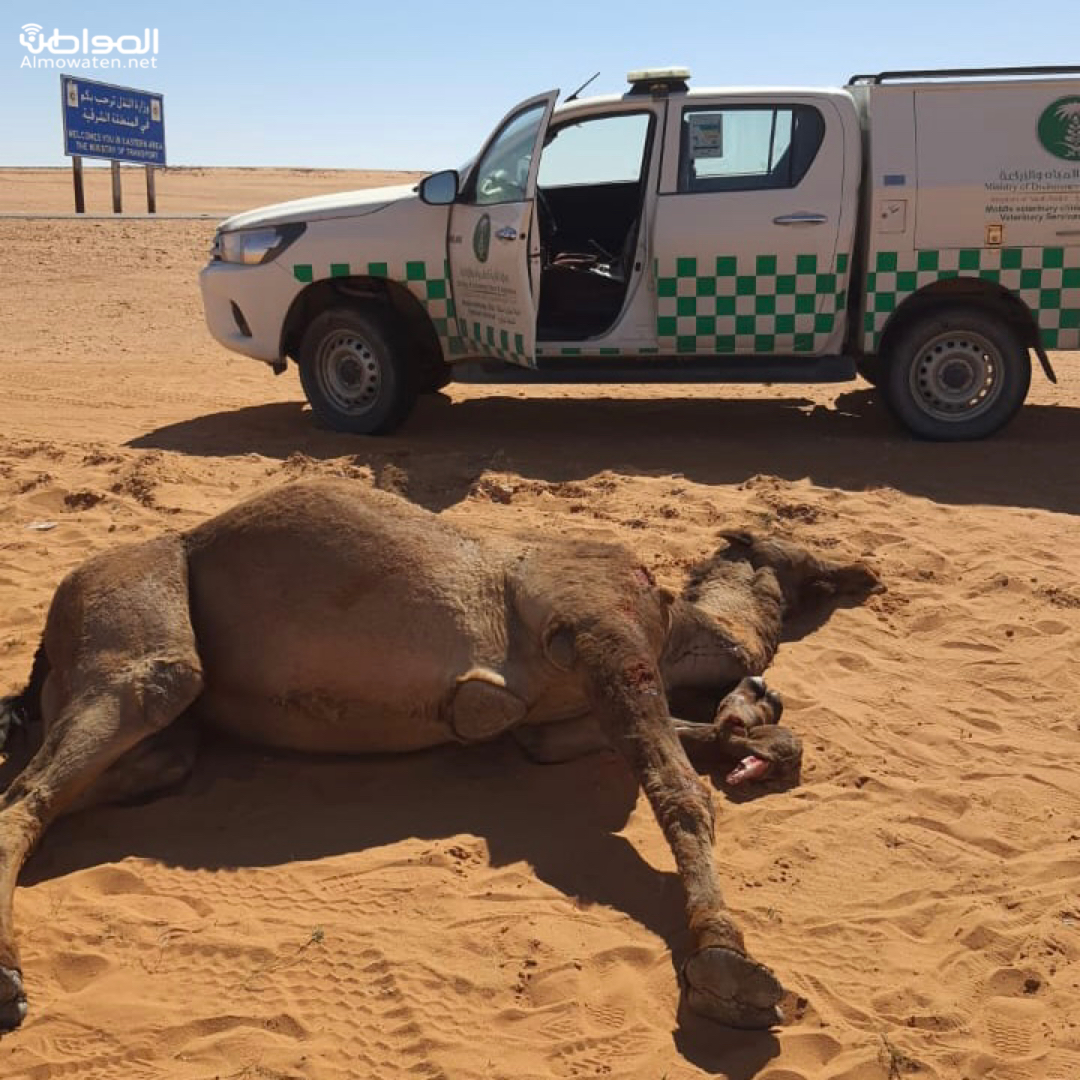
<point x="124" y="666"/>
<point x="158" y="764"/>
<point x="153" y="767"/>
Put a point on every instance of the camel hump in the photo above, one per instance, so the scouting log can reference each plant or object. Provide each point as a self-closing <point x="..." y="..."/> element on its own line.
<point x="482" y="706"/>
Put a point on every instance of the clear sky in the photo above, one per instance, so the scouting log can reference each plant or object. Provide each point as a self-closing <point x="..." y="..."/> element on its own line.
<point x="417" y="84"/>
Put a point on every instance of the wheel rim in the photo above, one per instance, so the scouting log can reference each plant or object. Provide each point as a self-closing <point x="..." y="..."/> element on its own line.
<point x="956" y="376"/>
<point x="349" y="372"/>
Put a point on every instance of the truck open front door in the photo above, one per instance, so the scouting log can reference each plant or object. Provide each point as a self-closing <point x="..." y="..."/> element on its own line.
<point x="493" y="251"/>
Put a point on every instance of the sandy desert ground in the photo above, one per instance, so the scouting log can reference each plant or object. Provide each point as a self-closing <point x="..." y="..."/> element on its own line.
<point x="464" y="914"/>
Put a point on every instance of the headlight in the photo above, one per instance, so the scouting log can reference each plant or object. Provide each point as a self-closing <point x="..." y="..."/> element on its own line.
<point x="255" y="246"/>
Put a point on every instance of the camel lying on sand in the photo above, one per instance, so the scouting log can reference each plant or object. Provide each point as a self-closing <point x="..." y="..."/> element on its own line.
<point x="327" y="616"/>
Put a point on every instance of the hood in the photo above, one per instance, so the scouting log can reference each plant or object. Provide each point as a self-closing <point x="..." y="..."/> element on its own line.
<point x="321" y="207"/>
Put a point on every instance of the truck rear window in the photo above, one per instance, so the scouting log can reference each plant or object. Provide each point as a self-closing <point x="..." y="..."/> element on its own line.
<point x="747" y="147"/>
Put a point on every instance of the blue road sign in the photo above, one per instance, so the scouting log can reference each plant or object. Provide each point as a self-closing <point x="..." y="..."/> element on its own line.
<point x="115" y="122"/>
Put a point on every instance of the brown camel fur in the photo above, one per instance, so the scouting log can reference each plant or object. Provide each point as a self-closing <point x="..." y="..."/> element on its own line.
<point x="326" y="616"/>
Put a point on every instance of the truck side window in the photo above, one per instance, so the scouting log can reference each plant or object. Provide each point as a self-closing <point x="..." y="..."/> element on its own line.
<point x="596" y="150"/>
<point x="502" y="173"/>
<point x="748" y="148"/>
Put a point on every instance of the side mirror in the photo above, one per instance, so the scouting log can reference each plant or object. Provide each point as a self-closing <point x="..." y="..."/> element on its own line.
<point x="439" y="189"/>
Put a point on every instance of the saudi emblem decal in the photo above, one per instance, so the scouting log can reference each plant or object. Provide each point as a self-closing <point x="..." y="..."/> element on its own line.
<point x="481" y="238"/>
<point x="1059" y="128"/>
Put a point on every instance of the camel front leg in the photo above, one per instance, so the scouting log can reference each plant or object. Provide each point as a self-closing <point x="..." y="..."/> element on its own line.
<point x="719" y="979"/>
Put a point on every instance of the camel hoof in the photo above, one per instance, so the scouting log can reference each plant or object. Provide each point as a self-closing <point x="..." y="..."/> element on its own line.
<point x="731" y="989"/>
<point x="12" y="999"/>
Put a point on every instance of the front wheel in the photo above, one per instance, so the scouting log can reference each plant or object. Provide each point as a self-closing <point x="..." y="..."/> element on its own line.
<point x="869" y="367"/>
<point x="354" y="371"/>
<point x="957" y="374"/>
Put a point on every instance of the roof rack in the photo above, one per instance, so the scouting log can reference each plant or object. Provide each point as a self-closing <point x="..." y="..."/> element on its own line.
<point x="960" y="73"/>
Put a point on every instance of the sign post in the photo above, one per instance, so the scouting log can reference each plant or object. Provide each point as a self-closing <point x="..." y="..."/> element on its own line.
<point x="117" y="199"/>
<point x="76" y="177"/>
<point x="117" y="123"/>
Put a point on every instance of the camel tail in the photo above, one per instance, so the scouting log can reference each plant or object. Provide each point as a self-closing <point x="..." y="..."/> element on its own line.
<point x="23" y="710"/>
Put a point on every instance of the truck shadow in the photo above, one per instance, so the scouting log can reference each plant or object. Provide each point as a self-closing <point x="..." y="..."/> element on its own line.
<point x="851" y="446"/>
<point x="245" y="807"/>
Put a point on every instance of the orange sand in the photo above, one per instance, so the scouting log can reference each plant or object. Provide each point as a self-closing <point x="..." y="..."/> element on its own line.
<point x="467" y="914"/>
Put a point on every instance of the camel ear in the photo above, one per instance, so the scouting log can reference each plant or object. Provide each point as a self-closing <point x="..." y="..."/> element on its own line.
<point x="737" y="537"/>
<point x="559" y="644"/>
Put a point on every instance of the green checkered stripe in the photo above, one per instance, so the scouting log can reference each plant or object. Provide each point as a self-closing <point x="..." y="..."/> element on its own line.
<point x="749" y="304"/>
<point x="494" y="342"/>
<point x="1047" y="279"/>
<point x="577" y="350"/>
<point x="429" y="283"/>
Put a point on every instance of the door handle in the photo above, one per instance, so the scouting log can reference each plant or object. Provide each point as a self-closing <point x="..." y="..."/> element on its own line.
<point x="507" y="232"/>
<point x="800" y="219"/>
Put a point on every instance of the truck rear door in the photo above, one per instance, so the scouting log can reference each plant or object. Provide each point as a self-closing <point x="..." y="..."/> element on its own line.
<point x="752" y="232"/>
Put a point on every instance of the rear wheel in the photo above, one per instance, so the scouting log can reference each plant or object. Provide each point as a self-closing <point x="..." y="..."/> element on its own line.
<point x="956" y="374"/>
<point x="355" y="372"/>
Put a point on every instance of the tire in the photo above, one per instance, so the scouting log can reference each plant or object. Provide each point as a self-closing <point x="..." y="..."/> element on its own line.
<point x="956" y="374"/>
<point x="434" y="377"/>
<point x="354" y="371"/>
<point x="870" y="368"/>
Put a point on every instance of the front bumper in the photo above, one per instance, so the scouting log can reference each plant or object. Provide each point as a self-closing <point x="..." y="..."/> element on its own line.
<point x="261" y="294"/>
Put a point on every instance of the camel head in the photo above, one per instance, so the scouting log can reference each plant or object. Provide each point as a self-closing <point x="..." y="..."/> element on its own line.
<point x="728" y="620"/>
<point x="801" y="576"/>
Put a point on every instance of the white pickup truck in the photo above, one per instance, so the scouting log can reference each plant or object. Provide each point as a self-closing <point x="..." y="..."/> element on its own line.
<point x="921" y="229"/>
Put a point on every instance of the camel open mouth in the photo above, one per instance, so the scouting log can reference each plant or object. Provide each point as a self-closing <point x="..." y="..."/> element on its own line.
<point x="750" y="768"/>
